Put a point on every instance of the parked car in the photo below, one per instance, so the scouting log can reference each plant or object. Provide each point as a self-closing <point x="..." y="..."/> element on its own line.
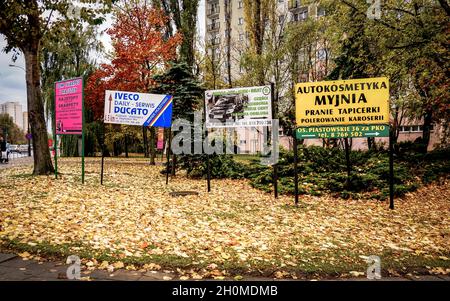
<point x="23" y="148"/>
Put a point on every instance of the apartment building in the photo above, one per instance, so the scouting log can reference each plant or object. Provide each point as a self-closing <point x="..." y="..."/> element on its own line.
<point x="226" y="18"/>
<point x="25" y="122"/>
<point x="226" y="31"/>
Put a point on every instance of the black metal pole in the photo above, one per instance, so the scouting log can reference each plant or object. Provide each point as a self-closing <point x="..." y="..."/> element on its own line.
<point x="103" y="154"/>
<point x="29" y="140"/>
<point x="103" y="162"/>
<point x="274" y="143"/>
<point x="391" y="169"/>
<point x="295" y="168"/>
<point x="208" y="175"/>
<point x="168" y="156"/>
<point x="347" y="159"/>
<point x="208" y="167"/>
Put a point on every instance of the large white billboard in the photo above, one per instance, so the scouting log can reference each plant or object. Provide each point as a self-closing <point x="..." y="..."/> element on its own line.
<point x="141" y="109"/>
<point x="239" y="107"/>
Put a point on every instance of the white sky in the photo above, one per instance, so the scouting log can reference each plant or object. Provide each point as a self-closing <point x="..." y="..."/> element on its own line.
<point x="12" y="79"/>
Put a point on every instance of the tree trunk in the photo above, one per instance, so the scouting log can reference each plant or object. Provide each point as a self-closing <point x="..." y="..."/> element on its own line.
<point x="126" y="146"/>
<point x="259" y="37"/>
<point x="145" y="138"/>
<point x="370" y="142"/>
<point x="174" y="164"/>
<point x="41" y="153"/>
<point x="427" y="120"/>
<point x="152" y="146"/>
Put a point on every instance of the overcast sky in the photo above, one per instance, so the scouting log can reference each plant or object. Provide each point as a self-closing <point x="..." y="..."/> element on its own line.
<point x="12" y="79"/>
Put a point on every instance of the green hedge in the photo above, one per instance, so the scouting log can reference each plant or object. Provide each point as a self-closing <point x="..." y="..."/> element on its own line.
<point x="324" y="171"/>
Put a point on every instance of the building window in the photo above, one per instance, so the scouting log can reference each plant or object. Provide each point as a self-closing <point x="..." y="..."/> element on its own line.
<point x="213" y="9"/>
<point x="294" y="3"/>
<point x="240" y="4"/>
<point x="241" y="21"/>
<point x="280" y="19"/>
<point x="303" y="15"/>
<point x="413" y="128"/>
<point x="322" y="54"/>
<point x="243" y="141"/>
<point x="241" y="37"/>
<point x="320" y="12"/>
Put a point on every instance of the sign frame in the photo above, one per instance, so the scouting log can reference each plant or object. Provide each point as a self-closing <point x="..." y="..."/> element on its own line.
<point x="56" y="132"/>
<point x="338" y="124"/>
<point x="232" y="103"/>
<point x="342" y="102"/>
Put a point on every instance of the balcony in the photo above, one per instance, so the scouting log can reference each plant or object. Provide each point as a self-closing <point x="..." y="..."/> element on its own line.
<point x="214" y="41"/>
<point x="213" y="26"/>
<point x="293" y="4"/>
<point x="212" y="11"/>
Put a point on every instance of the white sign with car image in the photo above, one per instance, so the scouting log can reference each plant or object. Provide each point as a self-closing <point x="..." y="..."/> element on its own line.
<point x="239" y="107"/>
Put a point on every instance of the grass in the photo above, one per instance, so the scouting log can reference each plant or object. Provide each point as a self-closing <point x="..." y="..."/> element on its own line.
<point x="309" y="265"/>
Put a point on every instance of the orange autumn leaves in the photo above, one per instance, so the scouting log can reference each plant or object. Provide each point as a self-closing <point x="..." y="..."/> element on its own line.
<point x="142" y="48"/>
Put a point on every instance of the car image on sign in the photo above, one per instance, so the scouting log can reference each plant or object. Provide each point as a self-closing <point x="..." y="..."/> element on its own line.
<point x="226" y="108"/>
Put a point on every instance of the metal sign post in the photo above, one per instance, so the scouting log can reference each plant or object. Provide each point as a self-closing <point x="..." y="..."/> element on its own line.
<point x="391" y="169"/>
<point x="82" y="136"/>
<point x="295" y="168"/>
<point x="208" y="166"/>
<point x="69" y="114"/>
<point x="274" y="165"/>
<point x="102" y="145"/>
<point x="168" y="156"/>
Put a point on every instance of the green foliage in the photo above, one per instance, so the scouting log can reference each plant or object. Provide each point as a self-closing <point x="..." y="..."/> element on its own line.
<point x="323" y="171"/>
<point x="14" y="133"/>
<point x="222" y="166"/>
<point x="179" y="81"/>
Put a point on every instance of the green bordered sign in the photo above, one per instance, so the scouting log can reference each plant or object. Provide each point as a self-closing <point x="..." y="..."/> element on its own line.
<point x="343" y="131"/>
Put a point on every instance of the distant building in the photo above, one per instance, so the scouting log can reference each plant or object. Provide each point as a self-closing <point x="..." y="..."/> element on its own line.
<point x="13" y="109"/>
<point x="25" y="122"/>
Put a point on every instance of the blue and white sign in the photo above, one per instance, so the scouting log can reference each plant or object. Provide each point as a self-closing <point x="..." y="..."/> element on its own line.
<point x="138" y="109"/>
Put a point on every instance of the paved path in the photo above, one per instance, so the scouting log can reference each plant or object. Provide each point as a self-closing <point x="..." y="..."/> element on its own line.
<point x="15" y="268"/>
<point x="17" y="161"/>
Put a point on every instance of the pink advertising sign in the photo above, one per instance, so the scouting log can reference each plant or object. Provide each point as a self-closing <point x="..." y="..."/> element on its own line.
<point x="69" y="106"/>
<point x="160" y="142"/>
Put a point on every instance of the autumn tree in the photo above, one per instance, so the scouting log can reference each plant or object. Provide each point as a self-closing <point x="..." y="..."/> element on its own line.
<point x="14" y="134"/>
<point x="179" y="81"/>
<point x="67" y="51"/>
<point x="24" y="24"/>
<point x="412" y="40"/>
<point x="141" y="50"/>
<point x="183" y="13"/>
<point x="256" y="14"/>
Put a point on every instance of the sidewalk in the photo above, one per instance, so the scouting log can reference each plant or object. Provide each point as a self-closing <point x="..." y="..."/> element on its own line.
<point x="17" y="161"/>
<point x="14" y="268"/>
